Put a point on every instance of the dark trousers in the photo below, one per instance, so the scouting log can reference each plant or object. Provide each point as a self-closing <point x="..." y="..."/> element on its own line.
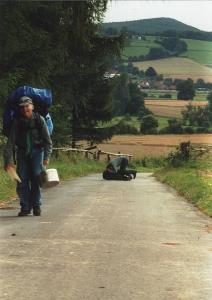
<point x="29" y="169"/>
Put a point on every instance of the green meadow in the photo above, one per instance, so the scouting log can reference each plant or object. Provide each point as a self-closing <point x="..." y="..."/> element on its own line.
<point x="199" y="51"/>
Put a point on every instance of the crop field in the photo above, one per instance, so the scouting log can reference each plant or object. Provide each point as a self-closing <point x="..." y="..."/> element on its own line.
<point x="151" y="145"/>
<point x="170" y="108"/>
<point x="177" y="67"/>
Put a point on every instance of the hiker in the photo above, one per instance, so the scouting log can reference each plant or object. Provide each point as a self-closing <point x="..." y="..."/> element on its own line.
<point x="117" y="170"/>
<point x="29" y="134"/>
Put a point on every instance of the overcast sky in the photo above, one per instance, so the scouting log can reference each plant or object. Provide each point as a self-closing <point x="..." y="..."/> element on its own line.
<point x="194" y="13"/>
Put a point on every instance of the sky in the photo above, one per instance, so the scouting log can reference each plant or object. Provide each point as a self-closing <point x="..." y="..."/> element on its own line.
<point x="195" y="13"/>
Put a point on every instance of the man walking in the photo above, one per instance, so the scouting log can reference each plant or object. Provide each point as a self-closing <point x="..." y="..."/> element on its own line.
<point x="29" y="133"/>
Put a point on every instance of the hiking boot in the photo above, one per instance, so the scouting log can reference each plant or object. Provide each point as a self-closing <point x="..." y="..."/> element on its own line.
<point x="23" y="213"/>
<point x="36" y="211"/>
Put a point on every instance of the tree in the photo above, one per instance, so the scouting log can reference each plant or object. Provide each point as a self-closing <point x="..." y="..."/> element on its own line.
<point x="156" y="53"/>
<point x="200" y="83"/>
<point x="148" y="125"/>
<point x="88" y="54"/>
<point x="186" y="90"/>
<point x="168" y="82"/>
<point x="121" y="96"/>
<point x="150" y="72"/>
<point x="28" y="48"/>
<point x="64" y="52"/>
<point x="209" y="98"/>
<point x="111" y="31"/>
<point x="174" y="45"/>
<point x="174" y="126"/>
<point x="136" y="102"/>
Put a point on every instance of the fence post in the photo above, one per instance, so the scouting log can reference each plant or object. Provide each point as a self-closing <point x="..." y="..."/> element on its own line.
<point x="57" y="154"/>
<point x="98" y="154"/>
<point x="108" y="158"/>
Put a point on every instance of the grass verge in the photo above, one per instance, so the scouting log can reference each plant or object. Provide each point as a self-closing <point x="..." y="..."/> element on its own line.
<point x="68" y="167"/>
<point x="73" y="166"/>
<point x="148" y="164"/>
<point x="193" y="180"/>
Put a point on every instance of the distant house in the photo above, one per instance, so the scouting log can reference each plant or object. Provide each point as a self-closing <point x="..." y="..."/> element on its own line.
<point x="144" y="84"/>
<point x="172" y="87"/>
<point x="159" y="85"/>
<point x="111" y="75"/>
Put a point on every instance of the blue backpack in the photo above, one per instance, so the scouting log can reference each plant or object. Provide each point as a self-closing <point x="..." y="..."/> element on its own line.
<point x="42" y="100"/>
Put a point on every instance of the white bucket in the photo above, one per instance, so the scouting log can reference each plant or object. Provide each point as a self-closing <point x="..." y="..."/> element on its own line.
<point x="51" y="179"/>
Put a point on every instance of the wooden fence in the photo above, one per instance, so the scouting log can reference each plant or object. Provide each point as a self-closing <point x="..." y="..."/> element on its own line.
<point x="97" y="154"/>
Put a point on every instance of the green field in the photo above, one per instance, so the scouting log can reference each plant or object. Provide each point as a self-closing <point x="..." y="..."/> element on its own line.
<point x="155" y="94"/>
<point x="199" y="51"/>
<point x="137" y="48"/>
<point x="133" y="121"/>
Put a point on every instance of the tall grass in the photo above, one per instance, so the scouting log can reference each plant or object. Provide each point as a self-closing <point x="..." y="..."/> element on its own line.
<point x="149" y="164"/>
<point x="75" y="165"/>
<point x="192" y="180"/>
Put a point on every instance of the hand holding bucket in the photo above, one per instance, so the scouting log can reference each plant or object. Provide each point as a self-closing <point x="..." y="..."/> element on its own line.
<point x="49" y="178"/>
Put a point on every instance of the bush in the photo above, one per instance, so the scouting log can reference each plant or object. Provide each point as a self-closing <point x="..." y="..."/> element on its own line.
<point x="124" y="128"/>
<point x="151" y="131"/>
<point x="150" y="162"/>
<point x="127" y="117"/>
<point x="186" y="90"/>
<point x="148" y="125"/>
<point x="188" y="129"/>
<point x="143" y="112"/>
<point x="164" y="130"/>
<point x="165" y="96"/>
<point x="175" y="126"/>
<point x="202" y="130"/>
<point x="180" y="156"/>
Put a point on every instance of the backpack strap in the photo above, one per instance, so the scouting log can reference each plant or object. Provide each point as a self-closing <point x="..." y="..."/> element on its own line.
<point x="38" y="123"/>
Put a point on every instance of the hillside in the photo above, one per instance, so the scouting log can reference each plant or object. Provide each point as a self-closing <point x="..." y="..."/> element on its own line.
<point x="150" y="26"/>
<point x="200" y="51"/>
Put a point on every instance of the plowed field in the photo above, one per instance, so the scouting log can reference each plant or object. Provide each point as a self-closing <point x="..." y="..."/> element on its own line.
<point x="151" y="145"/>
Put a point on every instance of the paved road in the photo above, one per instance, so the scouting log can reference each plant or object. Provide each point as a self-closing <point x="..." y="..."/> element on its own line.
<point x="107" y="240"/>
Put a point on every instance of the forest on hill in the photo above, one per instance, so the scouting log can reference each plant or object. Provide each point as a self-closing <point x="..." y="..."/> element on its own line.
<point x="159" y="27"/>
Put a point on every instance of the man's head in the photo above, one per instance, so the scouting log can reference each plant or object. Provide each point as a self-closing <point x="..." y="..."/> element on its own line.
<point x="26" y="106"/>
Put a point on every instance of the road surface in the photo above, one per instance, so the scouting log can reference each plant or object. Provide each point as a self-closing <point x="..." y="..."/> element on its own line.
<point x="107" y="240"/>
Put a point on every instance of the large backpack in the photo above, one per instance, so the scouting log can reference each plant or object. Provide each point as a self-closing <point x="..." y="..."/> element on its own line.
<point x="42" y="100"/>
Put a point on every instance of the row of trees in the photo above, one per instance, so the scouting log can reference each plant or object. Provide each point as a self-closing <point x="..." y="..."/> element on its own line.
<point x="186" y="34"/>
<point x="57" y="45"/>
<point x="199" y="116"/>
